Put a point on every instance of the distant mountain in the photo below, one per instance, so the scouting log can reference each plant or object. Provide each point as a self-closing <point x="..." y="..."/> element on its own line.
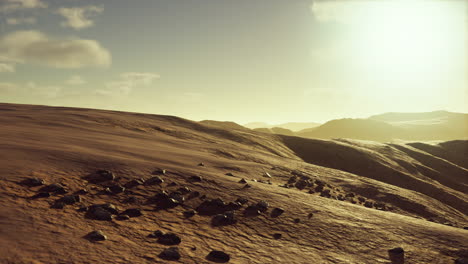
<point x="293" y="126"/>
<point x="223" y="124"/>
<point x="275" y="130"/>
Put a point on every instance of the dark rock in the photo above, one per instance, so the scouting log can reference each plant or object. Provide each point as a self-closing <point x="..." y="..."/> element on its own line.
<point x="130" y="200"/>
<point x="396" y="255"/>
<point x="319" y="183"/>
<point x="201" y="164"/>
<point x="58" y="205"/>
<point x="465" y="227"/>
<point x="184" y="190"/>
<point x="301" y="184"/>
<point x="156" y="234"/>
<point x="96" y="236"/>
<point x="276" y="212"/>
<point x="247" y="186"/>
<point x="461" y="261"/>
<point x="41" y="195"/>
<point x="227" y="218"/>
<point x="262" y="206"/>
<point x="134" y="183"/>
<point x="171" y="253"/>
<point x="311" y="191"/>
<point x="277" y="236"/>
<point x="350" y="195"/>
<point x="122" y="217"/>
<point x="189" y="213"/>
<point x="159" y="172"/>
<point x="168" y="203"/>
<point x="102" y="212"/>
<point x="177" y="196"/>
<point x="193" y="195"/>
<point x="196" y="178"/>
<point x="361" y="199"/>
<point x="32" y="182"/>
<point x="169" y="239"/>
<point x="101" y="176"/>
<point x="233" y="206"/>
<point x="54" y="188"/>
<point x="243" y="181"/>
<point x="203" y="197"/>
<point x="292" y="179"/>
<point x="172" y="184"/>
<point x="319" y="188"/>
<point x="218" y="256"/>
<point x="325" y="193"/>
<point x="70" y="199"/>
<point x="310" y="215"/>
<point x="133" y="212"/>
<point x="242" y="200"/>
<point x="297" y="220"/>
<point x="369" y="204"/>
<point x="340" y="197"/>
<point x="212" y="207"/>
<point x="82" y="191"/>
<point x="229" y="174"/>
<point x="154" y="180"/>
<point x="107" y="206"/>
<point x="251" y="210"/>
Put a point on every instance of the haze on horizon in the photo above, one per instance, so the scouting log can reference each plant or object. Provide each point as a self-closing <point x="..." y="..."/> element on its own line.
<point x="263" y="60"/>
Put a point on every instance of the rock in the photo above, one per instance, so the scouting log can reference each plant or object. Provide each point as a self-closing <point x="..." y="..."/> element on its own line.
<point x="41" y="195"/>
<point x="340" y="197"/>
<point x="350" y="195"/>
<point x="169" y="239"/>
<point x="247" y="186"/>
<point x="184" y="190"/>
<point x="319" y="182"/>
<point x="154" y="180"/>
<point x="301" y="184"/>
<point x="167" y="204"/>
<point x="311" y="191"/>
<point x="251" y="210"/>
<point x="133" y="212"/>
<point x="57" y="205"/>
<point x="123" y="217"/>
<point x="172" y="184"/>
<point x="70" y="199"/>
<point x="177" y="196"/>
<point x="262" y="206"/>
<point x="461" y="261"/>
<point x="134" y="183"/>
<point x="241" y="200"/>
<point x="101" y="176"/>
<point x="310" y="215"/>
<point x="361" y="199"/>
<point x="56" y="188"/>
<point x="292" y="179"/>
<point x="319" y="188"/>
<point x="156" y="234"/>
<point x="96" y="236"/>
<point x="277" y="236"/>
<point x="201" y="164"/>
<point x="266" y="174"/>
<point x="369" y="204"/>
<point x="196" y="178"/>
<point x="325" y="193"/>
<point x="233" y="206"/>
<point x="243" y="181"/>
<point x="276" y="212"/>
<point x="193" y="195"/>
<point x="229" y="174"/>
<point x="218" y="256"/>
<point x="396" y="255"/>
<point x="130" y="200"/>
<point x="171" y="253"/>
<point x="102" y="212"/>
<point x="297" y="220"/>
<point x="82" y="191"/>
<point x="189" y="213"/>
<point x="32" y="182"/>
<point x="227" y="218"/>
<point x="159" y="172"/>
<point x="212" y="207"/>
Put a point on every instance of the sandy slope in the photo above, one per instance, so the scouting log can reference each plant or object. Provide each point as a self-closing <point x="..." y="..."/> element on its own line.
<point x="419" y="187"/>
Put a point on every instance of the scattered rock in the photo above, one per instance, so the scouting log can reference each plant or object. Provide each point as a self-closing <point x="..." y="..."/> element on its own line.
<point x="167" y="204"/>
<point x="243" y="181"/>
<point x="241" y="200"/>
<point x="56" y="188"/>
<point x="461" y="261"/>
<point x="396" y="255"/>
<point x="169" y="239"/>
<point x="277" y="212"/>
<point x="102" y="212"/>
<point x="154" y="180"/>
<point x="310" y="215"/>
<point x="297" y="220"/>
<point x="41" y="195"/>
<point x="212" y="207"/>
<point x="172" y="184"/>
<point x="70" y="199"/>
<point x="319" y="188"/>
<point x="177" y="196"/>
<point x="130" y="200"/>
<point x="193" y="195"/>
<point x="251" y="210"/>
<point x="218" y="256"/>
<point x="133" y="212"/>
<point x="159" y="172"/>
<point x="247" y="186"/>
<point x="369" y="204"/>
<point x="292" y="179"/>
<point x="227" y="218"/>
<point x="266" y="174"/>
<point x="101" y="176"/>
<point x="196" y="178"/>
<point x="262" y="206"/>
<point x="123" y="217"/>
<point x="184" y="190"/>
<point x="189" y="213"/>
<point x="156" y="234"/>
<point x="82" y="191"/>
<point x="32" y="182"/>
<point x="201" y="164"/>
<point x="58" y="205"/>
<point x="171" y="253"/>
<point x="325" y="193"/>
<point x="301" y="184"/>
<point x="277" y="236"/>
<point x="229" y="174"/>
<point x="96" y="236"/>
<point x="361" y="199"/>
<point x="134" y="183"/>
<point x="350" y="195"/>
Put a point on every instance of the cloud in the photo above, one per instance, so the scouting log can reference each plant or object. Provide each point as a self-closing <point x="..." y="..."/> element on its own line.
<point x="75" y="80"/>
<point x="6" y="67"/>
<point x="79" y="17"/>
<point x="13" y="5"/>
<point x="19" y="21"/>
<point x="36" y="47"/>
<point x="127" y="82"/>
<point x="47" y="91"/>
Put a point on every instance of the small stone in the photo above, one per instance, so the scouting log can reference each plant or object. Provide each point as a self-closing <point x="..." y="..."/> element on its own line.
<point x="134" y="183"/>
<point x="159" y="171"/>
<point x="169" y="239"/>
<point x="266" y="174"/>
<point x="361" y="199"/>
<point x="172" y="184"/>
<point x="319" y="188"/>
<point x="396" y="255"/>
<point x="301" y="184"/>
<point x="262" y="206"/>
<point x="251" y="210"/>
<point x="96" y="236"/>
<point x="70" y="199"/>
<point x="310" y="215"/>
<point x="297" y="220"/>
<point x="177" y="196"/>
<point x="369" y="204"/>
<point x="189" y="213"/>
<point x="193" y="195"/>
<point x="122" y="217"/>
<point x="184" y="190"/>
<point x="243" y="181"/>
<point x="130" y="200"/>
<point x="167" y="203"/>
<point x="156" y="234"/>
<point x="277" y="212"/>
<point x="218" y="256"/>
<point x="196" y="178"/>
<point x="103" y="212"/>
<point x="227" y="218"/>
<point x="325" y="193"/>
<point x="277" y="236"/>
<point x="133" y="212"/>
<point x="212" y="207"/>
<point x="201" y="164"/>
<point x="32" y="182"/>
<point x="242" y="200"/>
<point x="154" y="180"/>
<point x="41" y="195"/>
<point x="54" y="188"/>
<point x="101" y="176"/>
<point x="171" y="253"/>
<point x="229" y="174"/>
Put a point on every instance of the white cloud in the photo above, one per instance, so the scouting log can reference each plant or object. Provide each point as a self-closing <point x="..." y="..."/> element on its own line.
<point x="13" y="5"/>
<point x="75" y="80"/>
<point x="127" y="82"/>
<point x="79" y="17"/>
<point x="6" y="67"/>
<point x="47" y="91"/>
<point x="36" y="47"/>
<point x="19" y="21"/>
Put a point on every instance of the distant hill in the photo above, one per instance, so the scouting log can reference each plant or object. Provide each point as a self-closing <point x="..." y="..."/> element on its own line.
<point x="293" y="126"/>
<point x="223" y="124"/>
<point x="275" y="130"/>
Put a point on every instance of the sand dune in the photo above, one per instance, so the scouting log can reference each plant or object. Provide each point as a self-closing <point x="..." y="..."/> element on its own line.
<point x="344" y="201"/>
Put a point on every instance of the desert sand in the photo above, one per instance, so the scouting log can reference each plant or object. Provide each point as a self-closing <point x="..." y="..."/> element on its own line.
<point x="337" y="201"/>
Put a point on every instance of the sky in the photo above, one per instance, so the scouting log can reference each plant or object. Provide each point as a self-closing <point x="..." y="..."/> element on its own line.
<point x="274" y="61"/>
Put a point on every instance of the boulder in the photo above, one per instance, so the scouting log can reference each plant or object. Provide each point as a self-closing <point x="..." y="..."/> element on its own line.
<point x="396" y="255"/>
<point x="170" y="254"/>
<point x="96" y="236"/>
<point x="277" y="212"/>
<point x="169" y="239"/>
<point x="32" y="182"/>
<point x="218" y="256"/>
